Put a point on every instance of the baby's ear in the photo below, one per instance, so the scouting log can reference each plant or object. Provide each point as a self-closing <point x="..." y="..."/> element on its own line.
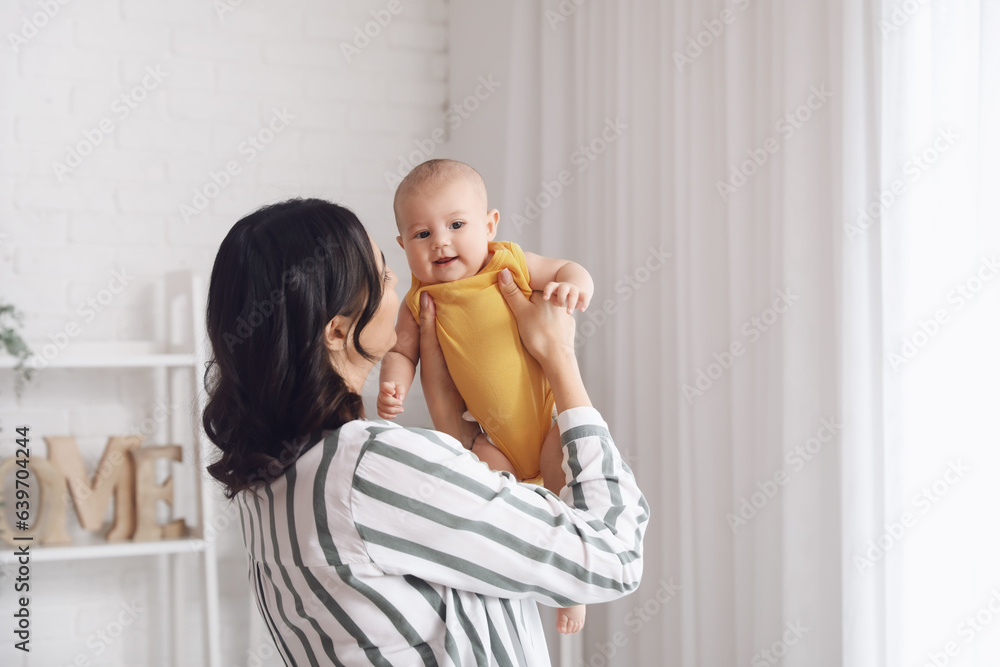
<point x="399" y="240"/>
<point x="492" y="220"/>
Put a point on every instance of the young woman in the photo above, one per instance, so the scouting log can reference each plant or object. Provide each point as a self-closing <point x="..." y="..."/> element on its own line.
<point x="371" y="543"/>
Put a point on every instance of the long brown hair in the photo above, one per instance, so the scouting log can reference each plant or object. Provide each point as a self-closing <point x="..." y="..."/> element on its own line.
<point x="280" y="275"/>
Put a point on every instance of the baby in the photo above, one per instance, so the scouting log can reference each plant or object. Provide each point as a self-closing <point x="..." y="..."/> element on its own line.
<point x="447" y="231"/>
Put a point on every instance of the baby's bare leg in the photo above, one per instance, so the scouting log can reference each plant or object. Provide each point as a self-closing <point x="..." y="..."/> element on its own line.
<point x="490" y="454"/>
<point x="569" y="620"/>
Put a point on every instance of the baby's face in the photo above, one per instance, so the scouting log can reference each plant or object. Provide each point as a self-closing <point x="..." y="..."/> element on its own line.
<point x="445" y="231"/>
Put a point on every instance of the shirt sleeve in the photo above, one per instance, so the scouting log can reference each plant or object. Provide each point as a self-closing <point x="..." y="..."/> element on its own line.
<point x="425" y="506"/>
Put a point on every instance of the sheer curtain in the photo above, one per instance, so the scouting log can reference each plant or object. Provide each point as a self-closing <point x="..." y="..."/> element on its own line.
<point x="707" y="161"/>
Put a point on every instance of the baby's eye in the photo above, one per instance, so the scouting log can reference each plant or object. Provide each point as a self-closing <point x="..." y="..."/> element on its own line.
<point x="457" y="224"/>
<point x="422" y="235"/>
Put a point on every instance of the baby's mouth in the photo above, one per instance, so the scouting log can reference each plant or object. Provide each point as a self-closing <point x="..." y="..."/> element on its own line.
<point x="445" y="260"/>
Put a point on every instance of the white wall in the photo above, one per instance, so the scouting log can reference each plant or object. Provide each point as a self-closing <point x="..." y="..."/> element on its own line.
<point x="62" y="240"/>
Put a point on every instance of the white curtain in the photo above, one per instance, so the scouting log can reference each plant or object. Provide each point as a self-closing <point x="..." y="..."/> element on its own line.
<point x="706" y="161"/>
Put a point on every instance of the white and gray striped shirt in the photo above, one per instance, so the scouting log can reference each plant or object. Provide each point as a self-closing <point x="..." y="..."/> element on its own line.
<point x="386" y="545"/>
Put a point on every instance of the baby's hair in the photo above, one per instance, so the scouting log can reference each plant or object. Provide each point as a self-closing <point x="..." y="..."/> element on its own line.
<point x="434" y="173"/>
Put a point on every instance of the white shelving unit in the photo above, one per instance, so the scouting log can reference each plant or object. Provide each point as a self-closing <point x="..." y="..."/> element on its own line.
<point x="181" y="316"/>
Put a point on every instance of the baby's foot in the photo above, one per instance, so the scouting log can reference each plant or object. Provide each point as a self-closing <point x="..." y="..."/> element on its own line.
<point x="569" y="620"/>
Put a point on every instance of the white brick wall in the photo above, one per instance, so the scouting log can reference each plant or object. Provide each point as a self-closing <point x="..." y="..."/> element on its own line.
<point x="60" y="241"/>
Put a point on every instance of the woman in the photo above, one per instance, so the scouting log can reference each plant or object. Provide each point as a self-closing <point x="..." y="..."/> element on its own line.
<point x="371" y="543"/>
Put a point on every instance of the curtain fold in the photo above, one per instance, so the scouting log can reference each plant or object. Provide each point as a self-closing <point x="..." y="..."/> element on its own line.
<point x="707" y="163"/>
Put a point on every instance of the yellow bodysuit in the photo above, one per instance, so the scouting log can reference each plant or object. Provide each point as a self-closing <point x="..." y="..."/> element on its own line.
<point x="504" y="388"/>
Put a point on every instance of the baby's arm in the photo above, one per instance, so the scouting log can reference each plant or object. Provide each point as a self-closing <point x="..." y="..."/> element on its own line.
<point x="399" y="366"/>
<point x="569" y="283"/>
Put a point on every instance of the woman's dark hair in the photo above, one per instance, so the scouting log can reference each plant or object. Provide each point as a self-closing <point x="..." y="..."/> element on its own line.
<point x="281" y="274"/>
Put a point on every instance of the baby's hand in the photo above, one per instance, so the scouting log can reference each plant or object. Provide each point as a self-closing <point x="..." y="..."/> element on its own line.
<point x="390" y="400"/>
<point x="568" y="295"/>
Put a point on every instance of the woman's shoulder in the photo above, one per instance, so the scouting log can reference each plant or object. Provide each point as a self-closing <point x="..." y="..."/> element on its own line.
<point x="361" y="435"/>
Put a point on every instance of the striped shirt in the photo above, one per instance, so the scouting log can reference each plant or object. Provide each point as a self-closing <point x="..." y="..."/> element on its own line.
<point x="385" y="545"/>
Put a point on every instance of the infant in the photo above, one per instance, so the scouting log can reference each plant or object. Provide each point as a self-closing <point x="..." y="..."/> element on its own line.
<point x="447" y="231"/>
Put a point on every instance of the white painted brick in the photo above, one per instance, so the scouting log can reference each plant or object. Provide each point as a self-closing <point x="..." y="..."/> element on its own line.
<point x="39" y="96"/>
<point x="431" y="94"/>
<point x="166" y="136"/>
<point x="149" y="199"/>
<point x="304" y="54"/>
<point x="255" y="19"/>
<point x="333" y="28"/>
<point x="118" y="36"/>
<point x="255" y="79"/>
<point x="349" y="86"/>
<point x="157" y="260"/>
<point x="202" y="42"/>
<point x="418" y="36"/>
<point x="43" y="62"/>
<point x="36" y="228"/>
<point x="41" y="420"/>
<point x="100" y="420"/>
<point x="57" y="131"/>
<point x="390" y="120"/>
<point x="181" y="72"/>
<point x="212" y="106"/>
<point x="105" y="230"/>
<point x="296" y="177"/>
<point x="70" y="261"/>
<point x="365" y="175"/>
<point x="325" y="114"/>
<point x="125" y="166"/>
<point x="47" y="194"/>
<point x="24" y="162"/>
<point x="206" y="234"/>
<point x="181" y="12"/>
<point x="405" y="65"/>
<point x="31" y="293"/>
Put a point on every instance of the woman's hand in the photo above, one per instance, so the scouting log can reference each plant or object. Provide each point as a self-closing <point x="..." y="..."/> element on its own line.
<point x="444" y="403"/>
<point x="546" y="331"/>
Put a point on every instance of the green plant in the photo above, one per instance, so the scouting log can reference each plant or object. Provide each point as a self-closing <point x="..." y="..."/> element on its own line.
<point x="11" y="320"/>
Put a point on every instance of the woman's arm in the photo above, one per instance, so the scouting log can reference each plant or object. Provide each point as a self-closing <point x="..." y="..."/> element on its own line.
<point x="425" y="507"/>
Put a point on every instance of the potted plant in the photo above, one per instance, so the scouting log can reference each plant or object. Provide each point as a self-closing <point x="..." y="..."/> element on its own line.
<point x="11" y="321"/>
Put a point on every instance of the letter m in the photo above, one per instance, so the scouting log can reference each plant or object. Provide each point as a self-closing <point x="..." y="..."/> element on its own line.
<point x="115" y="475"/>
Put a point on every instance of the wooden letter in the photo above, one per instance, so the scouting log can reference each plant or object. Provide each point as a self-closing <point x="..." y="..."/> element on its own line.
<point x="147" y="492"/>
<point x="114" y="475"/>
<point x="47" y="509"/>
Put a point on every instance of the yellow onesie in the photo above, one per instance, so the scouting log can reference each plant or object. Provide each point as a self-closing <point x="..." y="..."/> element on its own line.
<point x="503" y="386"/>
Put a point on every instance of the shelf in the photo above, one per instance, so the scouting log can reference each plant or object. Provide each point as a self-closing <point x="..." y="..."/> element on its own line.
<point x="106" y="550"/>
<point x="110" y="354"/>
